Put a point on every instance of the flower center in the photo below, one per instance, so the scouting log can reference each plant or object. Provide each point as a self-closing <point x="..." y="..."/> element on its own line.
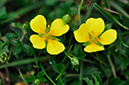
<point x="93" y="37"/>
<point x="46" y="35"/>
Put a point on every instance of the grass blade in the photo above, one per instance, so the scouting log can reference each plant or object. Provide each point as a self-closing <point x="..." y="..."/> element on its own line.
<point x="109" y="17"/>
<point x="22" y="77"/>
<point x="25" y="61"/>
<point x="117" y="7"/>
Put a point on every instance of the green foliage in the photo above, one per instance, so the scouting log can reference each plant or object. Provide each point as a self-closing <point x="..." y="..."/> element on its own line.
<point x="73" y="66"/>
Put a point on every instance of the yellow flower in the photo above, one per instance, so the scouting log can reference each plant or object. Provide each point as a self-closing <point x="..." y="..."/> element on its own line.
<point x="90" y="33"/>
<point x="47" y="35"/>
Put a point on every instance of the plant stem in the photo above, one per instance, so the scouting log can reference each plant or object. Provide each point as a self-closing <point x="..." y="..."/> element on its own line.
<point x="81" y="72"/>
<point x="62" y="71"/>
<point x="25" y="61"/>
<point x="81" y="3"/>
<point x="81" y="61"/>
<point x="66" y="54"/>
<point x="47" y="75"/>
<point x="73" y="75"/>
<point x="2" y="45"/>
<point x="102" y="65"/>
<point x="79" y="14"/>
<point x="23" y="35"/>
<point x="109" y="16"/>
<point x="112" y="66"/>
<point x="22" y="77"/>
<point x="86" y="60"/>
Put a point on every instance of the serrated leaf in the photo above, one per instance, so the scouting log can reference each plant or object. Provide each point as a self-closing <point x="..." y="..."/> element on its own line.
<point x="43" y="79"/>
<point x="90" y="70"/>
<point x="15" y="42"/>
<point x="17" y="49"/>
<point x="124" y="63"/>
<point x="81" y="55"/>
<point x="28" y="79"/>
<point x="57" y="67"/>
<point x="76" y="67"/>
<point x="96" y="80"/>
<point x="11" y="35"/>
<point x="116" y="81"/>
<point x="59" y="82"/>
<point x="88" y="81"/>
<point x="26" y="47"/>
<point x="4" y="47"/>
<point x="40" y="74"/>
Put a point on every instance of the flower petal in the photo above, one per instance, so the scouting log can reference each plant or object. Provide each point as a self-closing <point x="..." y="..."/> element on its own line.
<point x="38" y="24"/>
<point x="95" y="26"/>
<point x="55" y="47"/>
<point x="81" y="35"/>
<point x="58" y="27"/>
<point x="108" y="37"/>
<point x="93" y="48"/>
<point x="37" y="41"/>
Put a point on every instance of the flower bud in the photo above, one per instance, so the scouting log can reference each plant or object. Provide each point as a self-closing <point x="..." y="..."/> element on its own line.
<point x="74" y="61"/>
<point x="26" y="27"/>
<point x="66" y="18"/>
<point x="37" y="81"/>
<point x="3" y="57"/>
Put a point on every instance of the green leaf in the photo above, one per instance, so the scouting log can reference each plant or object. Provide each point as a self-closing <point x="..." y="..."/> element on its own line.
<point x="2" y="2"/>
<point x="28" y="79"/>
<point x="59" y="82"/>
<point x="88" y="81"/>
<point x="75" y="82"/>
<point x="116" y="81"/>
<point x="24" y="10"/>
<point x="50" y="2"/>
<point x="124" y="63"/>
<point x="87" y="43"/>
<point x="16" y="24"/>
<point x="57" y="67"/>
<point x="2" y="13"/>
<point x="26" y="47"/>
<point x="4" y="47"/>
<point x="76" y="67"/>
<point x="96" y="80"/>
<point x="11" y="35"/>
<point x="15" y="42"/>
<point x="117" y="53"/>
<point x="108" y="26"/>
<point x="76" y="49"/>
<point x="109" y="17"/>
<point x="23" y="77"/>
<point x="90" y="70"/>
<point x="18" y="31"/>
<point x="40" y="74"/>
<point x="118" y="7"/>
<point x="42" y="79"/>
<point x="99" y="44"/>
<point x="17" y="49"/>
<point x="81" y="55"/>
